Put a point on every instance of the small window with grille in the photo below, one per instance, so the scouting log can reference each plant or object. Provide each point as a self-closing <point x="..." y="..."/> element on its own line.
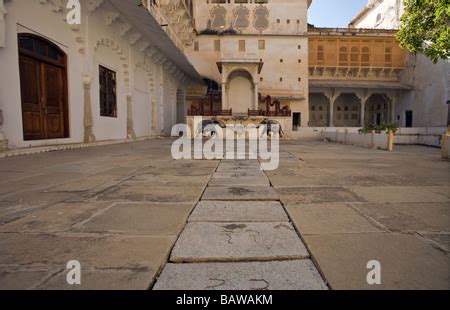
<point x="108" y="92"/>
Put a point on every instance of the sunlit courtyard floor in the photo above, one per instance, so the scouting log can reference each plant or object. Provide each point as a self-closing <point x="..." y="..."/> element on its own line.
<point x="119" y="210"/>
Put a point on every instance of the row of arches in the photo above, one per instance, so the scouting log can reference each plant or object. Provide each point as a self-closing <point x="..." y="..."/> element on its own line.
<point x="348" y="110"/>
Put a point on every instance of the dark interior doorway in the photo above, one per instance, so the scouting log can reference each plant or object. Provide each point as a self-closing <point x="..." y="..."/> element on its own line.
<point x="408" y="119"/>
<point x="296" y="120"/>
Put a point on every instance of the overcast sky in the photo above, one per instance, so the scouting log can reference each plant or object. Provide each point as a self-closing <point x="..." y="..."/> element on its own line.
<point x="334" y="13"/>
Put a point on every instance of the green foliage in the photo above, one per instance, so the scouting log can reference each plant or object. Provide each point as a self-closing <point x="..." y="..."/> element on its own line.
<point x="425" y="28"/>
<point x="383" y="128"/>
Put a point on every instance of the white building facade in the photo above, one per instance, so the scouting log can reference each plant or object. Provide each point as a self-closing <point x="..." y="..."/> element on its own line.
<point x="117" y="75"/>
<point x="426" y="104"/>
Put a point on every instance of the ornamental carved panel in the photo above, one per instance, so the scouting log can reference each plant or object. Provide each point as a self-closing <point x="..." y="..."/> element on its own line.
<point x="241" y="17"/>
<point x="261" y="18"/>
<point x="218" y="17"/>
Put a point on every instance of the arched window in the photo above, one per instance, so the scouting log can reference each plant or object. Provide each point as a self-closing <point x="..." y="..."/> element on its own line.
<point x="320" y="108"/>
<point x="313" y="108"/>
<point x="345" y="108"/>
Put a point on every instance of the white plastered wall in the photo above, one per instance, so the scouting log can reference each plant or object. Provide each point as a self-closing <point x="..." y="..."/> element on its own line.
<point x="84" y="56"/>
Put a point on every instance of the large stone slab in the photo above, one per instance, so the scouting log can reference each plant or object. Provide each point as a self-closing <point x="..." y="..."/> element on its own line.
<point x="206" y="242"/>
<point x="152" y="194"/>
<point x="306" y="195"/>
<point x="244" y="181"/>
<point x="408" y="216"/>
<point x="151" y="180"/>
<point x="329" y="218"/>
<point x="14" y="279"/>
<point x="88" y="183"/>
<point x="104" y="279"/>
<point x="56" y="218"/>
<point x="238" y="174"/>
<point x="106" y="251"/>
<point x="407" y="261"/>
<point x="256" y="193"/>
<point x="399" y="194"/>
<point x="279" y="275"/>
<point x="238" y="167"/>
<point x="239" y="211"/>
<point x="139" y="218"/>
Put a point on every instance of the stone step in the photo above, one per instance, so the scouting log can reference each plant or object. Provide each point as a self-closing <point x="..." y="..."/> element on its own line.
<point x="240" y="241"/>
<point x="255" y="193"/>
<point x="278" y="275"/>
<point x="239" y="211"/>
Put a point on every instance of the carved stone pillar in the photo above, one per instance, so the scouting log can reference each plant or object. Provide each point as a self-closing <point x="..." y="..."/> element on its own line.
<point x="393" y="97"/>
<point x="363" y="96"/>
<point x="332" y="95"/>
<point x="225" y="105"/>
<point x="130" y="125"/>
<point x="255" y="96"/>
<point x="88" y="121"/>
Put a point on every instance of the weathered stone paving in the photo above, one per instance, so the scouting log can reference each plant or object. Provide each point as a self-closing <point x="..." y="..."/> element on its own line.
<point x="120" y="209"/>
<point x="116" y="209"/>
<point x="239" y="237"/>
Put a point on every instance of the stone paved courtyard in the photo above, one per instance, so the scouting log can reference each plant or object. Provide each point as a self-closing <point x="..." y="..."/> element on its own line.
<point x="136" y="219"/>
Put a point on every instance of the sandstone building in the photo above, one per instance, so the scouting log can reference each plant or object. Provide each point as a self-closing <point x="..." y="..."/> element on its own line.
<point x="134" y="68"/>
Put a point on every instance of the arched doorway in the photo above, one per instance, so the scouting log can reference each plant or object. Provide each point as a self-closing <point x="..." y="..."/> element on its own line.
<point x="377" y="110"/>
<point x="319" y="108"/>
<point x="43" y="84"/>
<point x="240" y="92"/>
<point x="347" y="111"/>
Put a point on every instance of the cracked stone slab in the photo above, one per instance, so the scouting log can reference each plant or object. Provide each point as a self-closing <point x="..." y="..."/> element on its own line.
<point x="152" y="194"/>
<point x="220" y="242"/>
<point x="21" y="279"/>
<point x="408" y="262"/>
<point x="281" y="275"/>
<point x="329" y="218"/>
<point x="104" y="279"/>
<point x="311" y="195"/>
<point x="238" y="167"/>
<point x="239" y="211"/>
<point x="139" y="219"/>
<point x="244" y="181"/>
<point x="104" y="251"/>
<point x="394" y="194"/>
<point x="56" y="218"/>
<point x="255" y="193"/>
<point x="238" y="174"/>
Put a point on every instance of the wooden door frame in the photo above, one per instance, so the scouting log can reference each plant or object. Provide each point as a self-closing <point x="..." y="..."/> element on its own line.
<point x="42" y="59"/>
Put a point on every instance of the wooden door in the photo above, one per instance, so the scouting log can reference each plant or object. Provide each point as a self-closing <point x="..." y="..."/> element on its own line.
<point x="43" y="89"/>
<point x="53" y="101"/>
<point x="32" y="113"/>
